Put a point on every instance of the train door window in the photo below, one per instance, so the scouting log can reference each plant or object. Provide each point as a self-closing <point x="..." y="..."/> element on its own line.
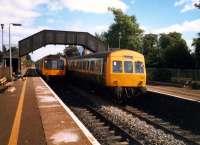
<point x="139" y="67"/>
<point x="54" y="64"/>
<point x="117" y="66"/>
<point x="128" y="67"/>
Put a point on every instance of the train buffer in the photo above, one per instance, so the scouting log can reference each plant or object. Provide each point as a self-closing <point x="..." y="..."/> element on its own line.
<point x="32" y="114"/>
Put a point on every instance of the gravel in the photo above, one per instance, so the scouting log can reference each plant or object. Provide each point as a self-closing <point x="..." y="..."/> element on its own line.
<point x="145" y="132"/>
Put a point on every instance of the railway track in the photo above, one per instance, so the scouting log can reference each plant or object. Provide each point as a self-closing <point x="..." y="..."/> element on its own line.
<point x="179" y="133"/>
<point x="104" y="128"/>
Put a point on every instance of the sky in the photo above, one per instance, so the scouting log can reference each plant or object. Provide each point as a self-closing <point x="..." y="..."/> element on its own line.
<point x="155" y="16"/>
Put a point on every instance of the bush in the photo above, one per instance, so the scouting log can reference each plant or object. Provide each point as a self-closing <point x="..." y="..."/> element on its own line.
<point x="159" y="75"/>
<point x="195" y="85"/>
<point x="8" y="77"/>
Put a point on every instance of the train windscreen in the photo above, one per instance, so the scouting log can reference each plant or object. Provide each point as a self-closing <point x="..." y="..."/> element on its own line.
<point x="117" y="66"/>
<point x="128" y="67"/>
<point x="54" y="64"/>
<point x="139" y="67"/>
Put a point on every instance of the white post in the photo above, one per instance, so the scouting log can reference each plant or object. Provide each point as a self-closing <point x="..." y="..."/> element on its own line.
<point x="10" y="55"/>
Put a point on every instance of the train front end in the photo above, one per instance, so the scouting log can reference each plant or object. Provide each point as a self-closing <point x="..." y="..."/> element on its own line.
<point x="126" y="73"/>
<point x="54" y="66"/>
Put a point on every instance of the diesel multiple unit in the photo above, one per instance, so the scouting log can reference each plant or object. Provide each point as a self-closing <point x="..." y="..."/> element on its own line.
<point x="123" y="71"/>
<point x="52" y="66"/>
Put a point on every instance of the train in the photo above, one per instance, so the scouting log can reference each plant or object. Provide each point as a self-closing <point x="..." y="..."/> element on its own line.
<point x="121" y="71"/>
<point x="51" y="66"/>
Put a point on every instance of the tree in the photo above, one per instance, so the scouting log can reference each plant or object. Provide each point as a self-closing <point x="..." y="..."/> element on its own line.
<point x="174" y="51"/>
<point x="197" y="5"/>
<point x="28" y="61"/>
<point x="28" y="57"/>
<point x="196" y="44"/>
<point x="71" y="50"/>
<point x="150" y="41"/>
<point x="102" y="36"/>
<point x="131" y="34"/>
<point x="4" y="48"/>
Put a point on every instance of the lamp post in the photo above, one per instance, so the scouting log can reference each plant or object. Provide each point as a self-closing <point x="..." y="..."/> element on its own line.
<point x="120" y="36"/>
<point x="13" y="24"/>
<point x="2" y="26"/>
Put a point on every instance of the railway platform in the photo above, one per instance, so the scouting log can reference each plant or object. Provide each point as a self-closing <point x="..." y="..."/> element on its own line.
<point x="32" y="114"/>
<point x="179" y="92"/>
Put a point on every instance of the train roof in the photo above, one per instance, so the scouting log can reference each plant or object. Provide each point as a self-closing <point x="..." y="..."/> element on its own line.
<point x="55" y="56"/>
<point x="106" y="53"/>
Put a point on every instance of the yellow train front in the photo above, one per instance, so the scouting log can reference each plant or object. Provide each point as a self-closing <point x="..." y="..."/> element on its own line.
<point x="52" y="66"/>
<point x="123" y="71"/>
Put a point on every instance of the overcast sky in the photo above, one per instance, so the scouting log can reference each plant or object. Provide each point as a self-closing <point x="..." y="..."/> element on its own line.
<point x="154" y="16"/>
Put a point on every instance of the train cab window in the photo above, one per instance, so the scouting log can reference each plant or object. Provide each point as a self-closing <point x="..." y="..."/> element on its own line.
<point x="128" y="67"/>
<point x="139" y="67"/>
<point x="117" y="66"/>
<point x="54" y="64"/>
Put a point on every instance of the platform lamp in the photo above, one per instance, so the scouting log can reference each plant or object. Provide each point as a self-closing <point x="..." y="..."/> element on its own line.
<point x="2" y="26"/>
<point x="13" y="24"/>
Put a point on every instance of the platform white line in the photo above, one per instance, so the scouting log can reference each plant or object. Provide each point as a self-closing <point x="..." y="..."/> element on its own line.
<point x="180" y="97"/>
<point x="78" y="122"/>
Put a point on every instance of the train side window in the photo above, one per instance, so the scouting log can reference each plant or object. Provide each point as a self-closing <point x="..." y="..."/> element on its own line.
<point x="128" y="67"/>
<point x="84" y="65"/>
<point x="139" y="67"/>
<point x="92" y="66"/>
<point x="96" y="66"/>
<point x="117" y="66"/>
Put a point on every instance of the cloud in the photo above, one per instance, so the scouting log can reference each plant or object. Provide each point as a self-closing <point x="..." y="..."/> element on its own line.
<point x="94" y="6"/>
<point x="18" y="11"/>
<point x="18" y="33"/>
<point x="187" y="26"/>
<point x="44" y="51"/>
<point x="184" y="28"/>
<point x="56" y="5"/>
<point x="78" y="26"/>
<point x="186" y="5"/>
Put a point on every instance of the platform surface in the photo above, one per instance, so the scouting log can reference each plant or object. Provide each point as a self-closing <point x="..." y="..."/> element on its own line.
<point x="183" y="93"/>
<point x="32" y="114"/>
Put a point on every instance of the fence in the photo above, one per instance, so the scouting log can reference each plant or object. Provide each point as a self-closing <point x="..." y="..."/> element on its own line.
<point x="166" y="74"/>
<point x="4" y="72"/>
